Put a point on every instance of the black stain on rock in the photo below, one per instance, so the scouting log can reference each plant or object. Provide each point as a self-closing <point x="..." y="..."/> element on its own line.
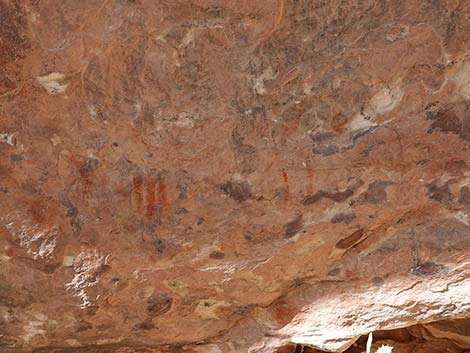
<point x="363" y="132"/>
<point x="145" y="325"/>
<point x="181" y="211"/>
<point x="350" y="240"/>
<point x="184" y="179"/>
<point x="339" y="196"/>
<point x="239" y="191"/>
<point x="311" y="199"/>
<point x="325" y="143"/>
<point x="343" y="218"/>
<point x="427" y="269"/>
<point x="439" y="193"/>
<point x="423" y="161"/>
<point x="72" y="213"/>
<point x="378" y="281"/>
<point x="159" y="304"/>
<point x="115" y="280"/>
<point x="65" y="201"/>
<point x="375" y="192"/>
<point x="16" y="158"/>
<point x="450" y="118"/>
<point x="464" y="197"/>
<point x="293" y="227"/>
<point x="329" y="143"/>
<point x="183" y="190"/>
<point x="336" y="196"/>
<point x="159" y="246"/>
<point x="217" y="255"/>
<point x="334" y="272"/>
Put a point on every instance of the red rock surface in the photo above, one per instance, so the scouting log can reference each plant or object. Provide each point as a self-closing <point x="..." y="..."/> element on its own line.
<point x="233" y="176"/>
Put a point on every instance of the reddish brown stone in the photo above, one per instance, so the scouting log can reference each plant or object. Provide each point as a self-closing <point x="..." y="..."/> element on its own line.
<point x="232" y="176"/>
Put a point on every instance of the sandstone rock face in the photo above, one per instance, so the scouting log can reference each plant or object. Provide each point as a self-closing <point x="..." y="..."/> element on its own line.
<point x="214" y="176"/>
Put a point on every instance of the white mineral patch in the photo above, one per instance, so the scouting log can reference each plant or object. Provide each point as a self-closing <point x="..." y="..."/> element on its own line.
<point x="188" y="38"/>
<point x="207" y="309"/>
<point x="73" y="342"/>
<point x="4" y="258"/>
<point x="461" y="79"/>
<point x="382" y="102"/>
<point x="268" y="74"/>
<point x="208" y="348"/>
<point x="40" y="243"/>
<point x="386" y="99"/>
<point x="32" y="329"/>
<point x="9" y="139"/>
<point x="55" y="140"/>
<point x="462" y="217"/>
<point x="87" y="266"/>
<point x="52" y="82"/>
<point x="68" y="261"/>
<point x="40" y="316"/>
<point x="360" y="123"/>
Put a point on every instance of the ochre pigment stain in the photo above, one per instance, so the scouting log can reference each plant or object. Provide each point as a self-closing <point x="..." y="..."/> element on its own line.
<point x="285" y="183"/>
<point x="150" y="197"/>
<point x="138" y="197"/>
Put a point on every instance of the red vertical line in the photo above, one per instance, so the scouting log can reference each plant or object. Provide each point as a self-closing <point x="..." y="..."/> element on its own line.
<point x="150" y="196"/>
<point x="137" y="181"/>
<point x="285" y="181"/>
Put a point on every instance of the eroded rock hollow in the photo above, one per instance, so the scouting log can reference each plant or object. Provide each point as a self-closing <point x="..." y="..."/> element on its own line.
<point x="214" y="176"/>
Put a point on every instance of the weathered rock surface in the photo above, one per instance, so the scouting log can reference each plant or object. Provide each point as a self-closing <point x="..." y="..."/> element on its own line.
<point x="216" y="176"/>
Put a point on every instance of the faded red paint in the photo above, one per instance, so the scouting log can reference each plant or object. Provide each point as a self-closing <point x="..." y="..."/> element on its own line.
<point x="86" y="178"/>
<point x="138" y="196"/>
<point x="150" y="185"/>
<point x="283" y="313"/>
<point x="285" y="182"/>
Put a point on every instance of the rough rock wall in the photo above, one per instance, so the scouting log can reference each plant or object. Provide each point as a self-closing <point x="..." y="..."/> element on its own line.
<point x="231" y="175"/>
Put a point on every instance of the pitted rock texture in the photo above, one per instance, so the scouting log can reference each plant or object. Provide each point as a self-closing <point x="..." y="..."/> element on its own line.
<point x="220" y="176"/>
